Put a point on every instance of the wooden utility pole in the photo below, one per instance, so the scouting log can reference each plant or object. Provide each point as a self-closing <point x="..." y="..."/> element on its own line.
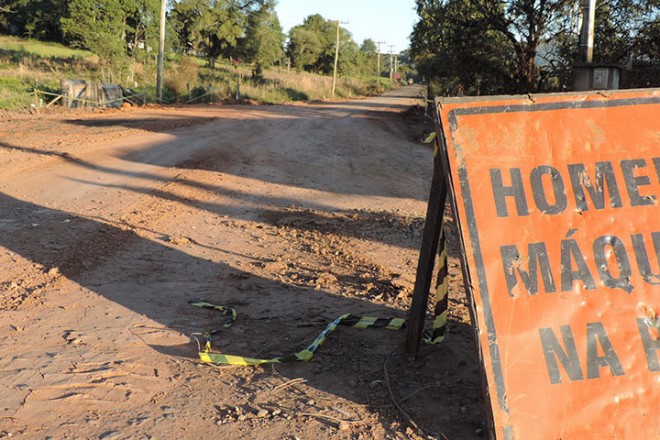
<point x="391" y="46"/>
<point x="161" y="52"/>
<point x="334" y="70"/>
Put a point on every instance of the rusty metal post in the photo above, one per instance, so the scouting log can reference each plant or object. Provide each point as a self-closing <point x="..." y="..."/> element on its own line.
<point x="587" y="31"/>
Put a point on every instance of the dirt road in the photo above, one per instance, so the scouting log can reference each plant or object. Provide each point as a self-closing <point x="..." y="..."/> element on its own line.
<point x="111" y="222"/>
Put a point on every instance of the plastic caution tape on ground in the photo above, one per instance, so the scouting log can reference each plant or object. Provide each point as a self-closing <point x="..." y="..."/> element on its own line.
<point x="433" y="336"/>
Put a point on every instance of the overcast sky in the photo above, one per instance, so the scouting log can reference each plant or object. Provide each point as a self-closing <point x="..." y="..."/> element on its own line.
<point x="390" y="21"/>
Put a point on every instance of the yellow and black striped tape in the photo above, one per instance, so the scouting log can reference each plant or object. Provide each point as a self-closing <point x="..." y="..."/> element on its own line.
<point x="441" y="307"/>
<point x="433" y="336"/>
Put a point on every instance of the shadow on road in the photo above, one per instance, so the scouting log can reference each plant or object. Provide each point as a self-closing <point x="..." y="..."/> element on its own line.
<point x="154" y="280"/>
<point x="153" y="277"/>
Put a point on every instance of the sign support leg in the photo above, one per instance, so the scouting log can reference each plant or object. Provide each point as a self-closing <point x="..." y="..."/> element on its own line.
<point x="427" y="254"/>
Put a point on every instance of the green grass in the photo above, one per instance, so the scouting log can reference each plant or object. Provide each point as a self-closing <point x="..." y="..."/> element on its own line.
<point x="11" y="84"/>
<point x="41" y="49"/>
<point x="14" y="93"/>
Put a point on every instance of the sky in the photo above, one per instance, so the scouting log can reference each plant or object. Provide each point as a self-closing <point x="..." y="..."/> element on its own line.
<point x="390" y="21"/>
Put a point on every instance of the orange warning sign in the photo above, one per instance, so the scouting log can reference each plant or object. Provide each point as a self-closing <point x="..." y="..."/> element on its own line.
<point x="557" y="200"/>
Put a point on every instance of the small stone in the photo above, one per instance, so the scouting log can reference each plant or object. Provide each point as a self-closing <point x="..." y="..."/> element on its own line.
<point x="262" y="413"/>
<point x="375" y="384"/>
<point x="277" y="412"/>
<point x="108" y="434"/>
<point x="53" y="272"/>
<point x="276" y="266"/>
<point x="310" y="402"/>
<point x="241" y="417"/>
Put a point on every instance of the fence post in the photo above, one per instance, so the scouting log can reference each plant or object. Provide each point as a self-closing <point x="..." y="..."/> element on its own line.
<point x="36" y="100"/>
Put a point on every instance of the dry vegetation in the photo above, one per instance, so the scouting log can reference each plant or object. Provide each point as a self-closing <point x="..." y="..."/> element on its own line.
<point x="29" y="64"/>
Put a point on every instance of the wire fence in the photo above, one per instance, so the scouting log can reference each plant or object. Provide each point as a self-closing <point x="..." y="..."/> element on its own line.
<point x="42" y="99"/>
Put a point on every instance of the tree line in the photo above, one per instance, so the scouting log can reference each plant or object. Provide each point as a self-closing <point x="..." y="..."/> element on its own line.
<point x="477" y="47"/>
<point x="124" y="33"/>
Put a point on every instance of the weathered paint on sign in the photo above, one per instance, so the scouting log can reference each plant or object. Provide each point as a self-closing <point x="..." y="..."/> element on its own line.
<point x="558" y="205"/>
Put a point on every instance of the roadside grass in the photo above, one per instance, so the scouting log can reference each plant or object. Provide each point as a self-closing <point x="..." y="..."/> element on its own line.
<point x="28" y="64"/>
<point x="14" y="93"/>
<point x="41" y="49"/>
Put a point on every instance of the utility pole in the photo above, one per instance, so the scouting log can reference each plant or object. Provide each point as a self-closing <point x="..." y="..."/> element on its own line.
<point x="391" y="46"/>
<point x="587" y="33"/>
<point x="161" y="53"/>
<point x="334" y="70"/>
<point x="378" y="62"/>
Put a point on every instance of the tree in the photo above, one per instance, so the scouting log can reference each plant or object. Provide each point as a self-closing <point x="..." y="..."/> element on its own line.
<point x="406" y="65"/>
<point x="369" y="52"/>
<point x="428" y="47"/>
<point x="219" y="29"/>
<point x="263" y="43"/>
<point x="326" y="34"/>
<point x="369" y="47"/>
<point x="120" y="32"/>
<point x="304" y="48"/>
<point x="627" y="34"/>
<point x="213" y="27"/>
<point x="520" y="24"/>
<point x="312" y="44"/>
<point x="451" y="44"/>
<point x="520" y="46"/>
<point x="99" y="26"/>
<point x="312" y="47"/>
<point x="33" y="18"/>
<point x="351" y="62"/>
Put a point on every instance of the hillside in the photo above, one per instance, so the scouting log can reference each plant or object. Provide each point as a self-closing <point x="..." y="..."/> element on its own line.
<point x="28" y="64"/>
